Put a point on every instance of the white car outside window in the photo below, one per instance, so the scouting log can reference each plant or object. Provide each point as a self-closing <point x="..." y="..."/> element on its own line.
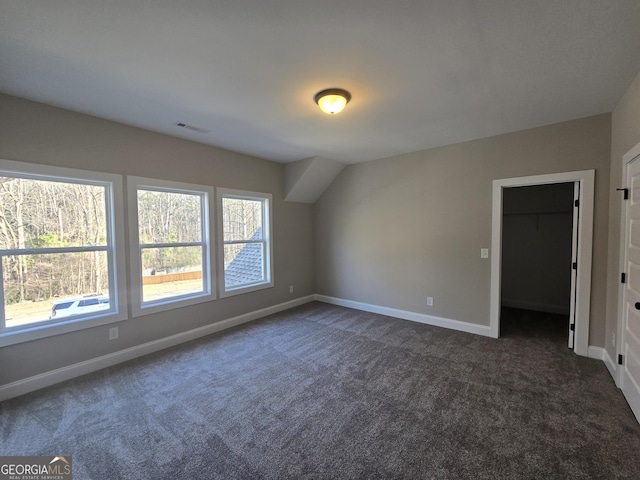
<point x="71" y="307"/>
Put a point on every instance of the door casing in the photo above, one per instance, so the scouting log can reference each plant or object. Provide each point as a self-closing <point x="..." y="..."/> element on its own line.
<point x="582" y="294"/>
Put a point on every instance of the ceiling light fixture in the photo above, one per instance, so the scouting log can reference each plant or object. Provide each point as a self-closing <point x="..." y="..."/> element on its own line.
<point x="332" y="100"/>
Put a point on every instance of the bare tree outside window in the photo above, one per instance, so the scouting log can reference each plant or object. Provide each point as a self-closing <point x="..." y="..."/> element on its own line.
<point x="245" y="242"/>
<point x="53" y="243"/>
<point x="171" y="243"/>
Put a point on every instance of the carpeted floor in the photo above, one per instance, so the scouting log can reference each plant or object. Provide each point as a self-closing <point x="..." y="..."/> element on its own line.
<point x="324" y="392"/>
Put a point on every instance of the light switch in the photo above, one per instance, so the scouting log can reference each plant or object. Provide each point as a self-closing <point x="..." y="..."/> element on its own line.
<point x="484" y="253"/>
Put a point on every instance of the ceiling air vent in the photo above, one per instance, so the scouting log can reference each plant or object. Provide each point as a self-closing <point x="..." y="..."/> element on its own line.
<point x="192" y="127"/>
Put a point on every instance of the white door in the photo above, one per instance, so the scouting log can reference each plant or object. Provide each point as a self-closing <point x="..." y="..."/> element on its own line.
<point x="630" y="342"/>
<point x="574" y="264"/>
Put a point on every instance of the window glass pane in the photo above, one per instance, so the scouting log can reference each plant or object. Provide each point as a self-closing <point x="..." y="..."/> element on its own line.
<point x="169" y="217"/>
<point x="243" y="264"/>
<point x="35" y="286"/>
<point x="43" y="214"/>
<point x="171" y="271"/>
<point x="242" y="219"/>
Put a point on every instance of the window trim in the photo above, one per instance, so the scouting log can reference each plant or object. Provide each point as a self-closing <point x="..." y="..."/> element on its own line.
<point x="115" y="251"/>
<point x="138" y="306"/>
<point x="267" y="222"/>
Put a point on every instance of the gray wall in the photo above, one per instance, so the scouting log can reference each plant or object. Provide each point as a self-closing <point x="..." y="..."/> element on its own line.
<point x="625" y="134"/>
<point x="394" y="231"/>
<point x="388" y="232"/>
<point x="537" y="230"/>
<point x="33" y="132"/>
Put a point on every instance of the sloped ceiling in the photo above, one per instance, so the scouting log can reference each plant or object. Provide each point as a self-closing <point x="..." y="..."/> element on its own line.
<point x="307" y="179"/>
<point x="423" y="73"/>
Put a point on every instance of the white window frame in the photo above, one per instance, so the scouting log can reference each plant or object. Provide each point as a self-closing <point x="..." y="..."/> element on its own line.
<point x="138" y="306"/>
<point x="114" y="249"/>
<point x="267" y="225"/>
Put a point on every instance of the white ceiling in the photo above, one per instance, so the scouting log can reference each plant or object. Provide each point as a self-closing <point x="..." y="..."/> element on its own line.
<point x="423" y="73"/>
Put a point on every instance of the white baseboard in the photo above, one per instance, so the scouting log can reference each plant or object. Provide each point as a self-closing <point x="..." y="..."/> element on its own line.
<point x="52" y="377"/>
<point x="483" y="330"/>
<point x="596" y="352"/>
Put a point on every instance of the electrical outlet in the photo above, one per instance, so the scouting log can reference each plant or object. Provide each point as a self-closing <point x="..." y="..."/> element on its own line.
<point x="290" y="288"/>
<point x="613" y="339"/>
<point x="113" y="333"/>
<point x="484" y="253"/>
<point x="429" y="301"/>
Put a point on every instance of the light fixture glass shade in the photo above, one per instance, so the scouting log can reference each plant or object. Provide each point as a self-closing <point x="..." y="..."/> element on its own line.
<point x="333" y="100"/>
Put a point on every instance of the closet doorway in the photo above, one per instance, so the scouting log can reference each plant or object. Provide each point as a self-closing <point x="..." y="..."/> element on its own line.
<point x="537" y="257"/>
<point x="583" y="183"/>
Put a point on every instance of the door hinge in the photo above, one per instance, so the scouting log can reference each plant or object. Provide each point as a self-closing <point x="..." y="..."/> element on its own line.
<point x="576" y="203"/>
<point x="623" y="278"/>
<point x="572" y="327"/>
<point x="574" y="265"/>
<point x="626" y="192"/>
<point x="620" y="359"/>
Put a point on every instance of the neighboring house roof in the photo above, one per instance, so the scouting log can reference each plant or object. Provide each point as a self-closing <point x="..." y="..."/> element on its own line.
<point x="247" y="267"/>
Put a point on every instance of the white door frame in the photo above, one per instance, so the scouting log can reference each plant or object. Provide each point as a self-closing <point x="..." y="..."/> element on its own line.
<point x="585" y="246"/>
<point x="627" y="158"/>
<point x="575" y="221"/>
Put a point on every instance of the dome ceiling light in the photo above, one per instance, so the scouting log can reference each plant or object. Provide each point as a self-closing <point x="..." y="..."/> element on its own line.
<point x="332" y="100"/>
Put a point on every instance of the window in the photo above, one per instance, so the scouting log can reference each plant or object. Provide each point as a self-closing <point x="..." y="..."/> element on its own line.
<point x="60" y="250"/>
<point x="170" y="237"/>
<point x="245" y="232"/>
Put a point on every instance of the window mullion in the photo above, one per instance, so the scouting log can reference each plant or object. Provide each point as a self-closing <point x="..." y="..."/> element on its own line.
<point x="242" y="242"/>
<point x="43" y="251"/>
<point x="169" y="245"/>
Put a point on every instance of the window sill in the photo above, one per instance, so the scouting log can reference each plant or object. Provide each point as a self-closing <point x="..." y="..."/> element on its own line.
<point x="247" y="289"/>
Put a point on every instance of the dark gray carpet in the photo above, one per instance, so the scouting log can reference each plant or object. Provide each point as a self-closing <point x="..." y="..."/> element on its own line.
<point x="323" y="392"/>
